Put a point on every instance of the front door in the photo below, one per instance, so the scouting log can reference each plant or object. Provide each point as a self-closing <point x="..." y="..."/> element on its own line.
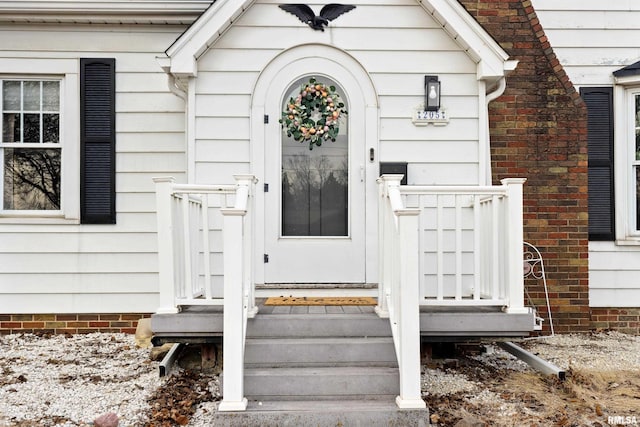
<point x="315" y="204"/>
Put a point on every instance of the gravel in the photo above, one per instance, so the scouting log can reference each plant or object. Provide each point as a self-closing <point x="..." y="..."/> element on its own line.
<point x="71" y="380"/>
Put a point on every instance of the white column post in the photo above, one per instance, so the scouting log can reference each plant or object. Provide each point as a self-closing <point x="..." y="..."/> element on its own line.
<point x="385" y="182"/>
<point x="233" y="325"/>
<point x="515" y="278"/>
<point x="409" y="314"/>
<point x="244" y="194"/>
<point x="381" y="309"/>
<point x="164" y="186"/>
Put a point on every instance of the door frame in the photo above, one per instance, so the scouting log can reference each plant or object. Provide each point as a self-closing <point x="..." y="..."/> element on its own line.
<point x="297" y="62"/>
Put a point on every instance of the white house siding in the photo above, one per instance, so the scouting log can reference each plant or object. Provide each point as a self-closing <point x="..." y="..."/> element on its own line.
<point x="71" y="268"/>
<point x="592" y="39"/>
<point x="397" y="44"/>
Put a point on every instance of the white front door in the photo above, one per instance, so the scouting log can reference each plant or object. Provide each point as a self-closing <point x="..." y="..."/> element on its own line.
<point x="314" y="209"/>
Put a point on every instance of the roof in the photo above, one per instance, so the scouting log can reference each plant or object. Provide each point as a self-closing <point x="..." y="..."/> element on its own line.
<point x="629" y="70"/>
<point x="180" y="12"/>
<point x="493" y="62"/>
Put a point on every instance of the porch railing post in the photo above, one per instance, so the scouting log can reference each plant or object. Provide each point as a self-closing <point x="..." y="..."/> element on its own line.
<point x="409" y="311"/>
<point x="234" y="318"/>
<point x="246" y="187"/>
<point x="515" y="278"/>
<point x="166" y="274"/>
<point x="385" y="255"/>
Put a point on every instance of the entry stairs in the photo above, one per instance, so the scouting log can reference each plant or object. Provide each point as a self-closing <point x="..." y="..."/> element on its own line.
<point x="321" y="366"/>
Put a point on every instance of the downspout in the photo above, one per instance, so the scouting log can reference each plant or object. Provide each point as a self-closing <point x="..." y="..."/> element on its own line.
<point x="177" y="88"/>
<point x="490" y="96"/>
<point x="174" y="87"/>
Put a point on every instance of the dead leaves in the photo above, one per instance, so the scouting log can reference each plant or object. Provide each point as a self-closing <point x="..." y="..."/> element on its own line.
<point x="177" y="399"/>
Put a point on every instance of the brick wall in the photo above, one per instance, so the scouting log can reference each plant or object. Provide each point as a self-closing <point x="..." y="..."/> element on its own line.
<point x="626" y="320"/>
<point x="69" y="323"/>
<point x="538" y="131"/>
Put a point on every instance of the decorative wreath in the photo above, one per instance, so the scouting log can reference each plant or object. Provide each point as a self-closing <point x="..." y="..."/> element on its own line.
<point x="313" y="115"/>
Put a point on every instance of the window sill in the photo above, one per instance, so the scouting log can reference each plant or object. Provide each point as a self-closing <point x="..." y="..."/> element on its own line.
<point x="39" y="220"/>
<point x="629" y="241"/>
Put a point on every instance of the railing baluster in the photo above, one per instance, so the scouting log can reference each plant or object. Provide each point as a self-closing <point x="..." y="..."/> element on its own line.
<point x="458" y="248"/>
<point x="206" y="248"/>
<point x="439" y="249"/>
<point x="495" y="248"/>
<point x="478" y="269"/>
<point x="186" y="253"/>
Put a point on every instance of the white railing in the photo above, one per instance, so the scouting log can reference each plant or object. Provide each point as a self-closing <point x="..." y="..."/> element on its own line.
<point x="445" y="246"/>
<point x="204" y="234"/>
<point x="399" y="287"/>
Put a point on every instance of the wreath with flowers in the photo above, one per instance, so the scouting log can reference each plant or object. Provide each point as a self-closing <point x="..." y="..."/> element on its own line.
<point x="313" y="115"/>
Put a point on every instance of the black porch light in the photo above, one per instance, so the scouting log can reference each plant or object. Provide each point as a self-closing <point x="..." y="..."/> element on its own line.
<point x="431" y="93"/>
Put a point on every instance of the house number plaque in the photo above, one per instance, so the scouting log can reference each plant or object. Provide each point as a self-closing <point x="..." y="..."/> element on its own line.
<point x="422" y="117"/>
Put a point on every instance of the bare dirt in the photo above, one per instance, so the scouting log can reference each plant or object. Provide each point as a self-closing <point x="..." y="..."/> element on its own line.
<point x="602" y="387"/>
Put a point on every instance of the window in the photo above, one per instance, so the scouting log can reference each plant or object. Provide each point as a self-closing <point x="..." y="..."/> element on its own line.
<point x="30" y="145"/>
<point x="57" y="140"/>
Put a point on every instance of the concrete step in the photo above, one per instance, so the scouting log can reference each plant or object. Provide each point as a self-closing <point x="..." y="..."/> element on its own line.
<point x="328" y="413"/>
<point x="300" y="352"/>
<point x="321" y="325"/>
<point x="321" y="383"/>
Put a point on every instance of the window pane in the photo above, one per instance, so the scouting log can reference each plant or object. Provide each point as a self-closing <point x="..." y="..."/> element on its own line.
<point x="51" y="96"/>
<point x="637" y="144"/>
<point x="11" y="127"/>
<point x="31" y="179"/>
<point x="31" y="128"/>
<point x="31" y="96"/>
<point x="315" y="183"/>
<point x="638" y="111"/>
<point x="51" y="130"/>
<point x="11" y="95"/>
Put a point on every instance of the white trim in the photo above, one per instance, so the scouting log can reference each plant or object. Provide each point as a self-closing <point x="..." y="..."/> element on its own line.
<point x="470" y="36"/>
<point x="492" y="61"/>
<point x="103" y="11"/>
<point x="67" y="70"/>
<point x="624" y="140"/>
<point x="186" y="50"/>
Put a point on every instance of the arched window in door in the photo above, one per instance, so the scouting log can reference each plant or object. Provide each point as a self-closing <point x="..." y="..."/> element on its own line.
<point x="315" y="183"/>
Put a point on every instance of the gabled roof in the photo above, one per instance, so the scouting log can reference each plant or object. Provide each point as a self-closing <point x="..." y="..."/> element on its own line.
<point x="492" y="60"/>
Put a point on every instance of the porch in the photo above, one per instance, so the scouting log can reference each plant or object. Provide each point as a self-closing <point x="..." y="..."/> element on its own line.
<point x="450" y="268"/>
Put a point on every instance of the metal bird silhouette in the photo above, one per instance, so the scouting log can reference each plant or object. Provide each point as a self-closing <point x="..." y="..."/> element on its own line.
<point x="317" y="22"/>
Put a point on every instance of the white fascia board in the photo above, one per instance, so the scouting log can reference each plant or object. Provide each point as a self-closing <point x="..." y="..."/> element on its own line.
<point x="627" y="80"/>
<point x="103" y="11"/>
<point x="470" y="36"/>
<point x="111" y="6"/>
<point x="185" y="51"/>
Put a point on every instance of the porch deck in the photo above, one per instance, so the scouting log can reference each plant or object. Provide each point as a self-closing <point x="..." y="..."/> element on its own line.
<point x="197" y="324"/>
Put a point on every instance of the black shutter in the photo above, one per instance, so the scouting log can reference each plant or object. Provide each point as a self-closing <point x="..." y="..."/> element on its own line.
<point x="97" y="140"/>
<point x="599" y="102"/>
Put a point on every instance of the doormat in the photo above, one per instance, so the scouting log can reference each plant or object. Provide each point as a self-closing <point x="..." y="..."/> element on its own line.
<point x="320" y="301"/>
